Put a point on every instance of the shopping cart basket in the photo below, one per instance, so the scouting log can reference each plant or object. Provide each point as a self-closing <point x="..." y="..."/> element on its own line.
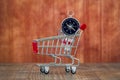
<point x="65" y="44"/>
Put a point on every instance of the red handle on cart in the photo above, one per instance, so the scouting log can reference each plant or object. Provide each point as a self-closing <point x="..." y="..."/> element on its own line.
<point x="83" y="26"/>
<point x="35" y="48"/>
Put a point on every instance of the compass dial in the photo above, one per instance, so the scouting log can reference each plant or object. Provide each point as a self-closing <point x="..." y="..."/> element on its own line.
<point x="70" y="26"/>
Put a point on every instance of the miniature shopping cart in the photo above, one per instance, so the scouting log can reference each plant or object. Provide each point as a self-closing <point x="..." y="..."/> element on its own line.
<point x="65" y="44"/>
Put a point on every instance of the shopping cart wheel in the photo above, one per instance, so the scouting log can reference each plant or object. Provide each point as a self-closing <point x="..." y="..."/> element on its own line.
<point x="42" y="69"/>
<point x="67" y="69"/>
<point x="46" y="70"/>
<point x="73" y="69"/>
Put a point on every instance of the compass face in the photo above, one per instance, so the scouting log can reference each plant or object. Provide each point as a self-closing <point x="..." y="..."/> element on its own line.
<point x="70" y="26"/>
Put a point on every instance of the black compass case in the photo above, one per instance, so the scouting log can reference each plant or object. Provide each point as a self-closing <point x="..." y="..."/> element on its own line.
<point x="70" y="26"/>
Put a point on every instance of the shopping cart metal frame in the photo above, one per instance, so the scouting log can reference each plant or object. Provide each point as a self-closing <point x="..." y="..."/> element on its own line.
<point x="65" y="44"/>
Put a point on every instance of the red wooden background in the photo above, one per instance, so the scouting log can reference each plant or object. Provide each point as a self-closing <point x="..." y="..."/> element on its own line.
<point x="21" y="21"/>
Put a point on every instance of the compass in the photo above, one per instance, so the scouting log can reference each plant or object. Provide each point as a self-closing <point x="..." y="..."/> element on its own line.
<point x="70" y="26"/>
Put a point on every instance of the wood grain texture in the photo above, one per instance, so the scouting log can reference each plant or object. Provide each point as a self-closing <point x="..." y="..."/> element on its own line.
<point x="21" y="21"/>
<point x="84" y="72"/>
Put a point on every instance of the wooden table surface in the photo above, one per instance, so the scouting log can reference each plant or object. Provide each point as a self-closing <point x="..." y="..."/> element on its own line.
<point x="104" y="71"/>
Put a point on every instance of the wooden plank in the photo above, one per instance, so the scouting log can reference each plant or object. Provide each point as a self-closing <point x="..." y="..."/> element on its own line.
<point x="92" y="38"/>
<point x="110" y="31"/>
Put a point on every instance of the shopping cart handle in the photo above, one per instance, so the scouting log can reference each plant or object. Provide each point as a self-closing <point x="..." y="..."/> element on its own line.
<point x="35" y="48"/>
<point x="83" y="26"/>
